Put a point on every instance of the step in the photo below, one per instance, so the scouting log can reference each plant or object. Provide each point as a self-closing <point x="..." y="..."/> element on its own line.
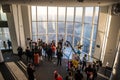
<point x="16" y="71"/>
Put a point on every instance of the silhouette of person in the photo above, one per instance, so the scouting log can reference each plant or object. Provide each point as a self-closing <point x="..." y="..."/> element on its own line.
<point x="4" y="44"/>
<point x="9" y="44"/>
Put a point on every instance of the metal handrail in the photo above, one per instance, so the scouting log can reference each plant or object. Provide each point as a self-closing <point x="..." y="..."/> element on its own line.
<point x="76" y="52"/>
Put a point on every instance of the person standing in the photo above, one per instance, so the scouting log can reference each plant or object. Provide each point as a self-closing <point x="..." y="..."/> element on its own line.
<point x="78" y="75"/>
<point x="49" y="52"/>
<point x="20" y="52"/>
<point x="9" y="44"/>
<point x="30" y="44"/>
<point x="89" y="72"/>
<point x="94" y="72"/>
<point x="84" y="62"/>
<point x="28" y="54"/>
<point x="59" y="54"/>
<point x="44" y="46"/>
<point x="69" y="76"/>
<point x="30" y="71"/>
<point x="4" y="44"/>
<point x="53" y="50"/>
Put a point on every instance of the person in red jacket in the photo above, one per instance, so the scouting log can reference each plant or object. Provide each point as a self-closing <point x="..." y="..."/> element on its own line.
<point x="57" y="76"/>
<point x="53" y="50"/>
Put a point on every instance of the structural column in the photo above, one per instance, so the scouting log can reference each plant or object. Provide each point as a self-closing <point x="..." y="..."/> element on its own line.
<point x="16" y="28"/>
<point x="101" y="32"/>
<point x="12" y="30"/>
<point x="26" y="17"/>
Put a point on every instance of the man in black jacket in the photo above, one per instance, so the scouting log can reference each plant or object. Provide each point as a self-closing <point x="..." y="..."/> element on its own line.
<point x="30" y="71"/>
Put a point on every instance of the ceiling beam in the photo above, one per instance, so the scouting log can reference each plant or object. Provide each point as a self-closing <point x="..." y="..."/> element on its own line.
<point x="61" y="2"/>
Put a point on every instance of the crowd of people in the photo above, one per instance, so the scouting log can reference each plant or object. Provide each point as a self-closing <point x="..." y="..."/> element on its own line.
<point x="76" y="67"/>
<point x="39" y="47"/>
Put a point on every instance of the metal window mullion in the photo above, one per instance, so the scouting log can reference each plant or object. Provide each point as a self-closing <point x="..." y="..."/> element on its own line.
<point x="91" y="38"/>
<point x="31" y="35"/>
<point x="74" y="25"/>
<point x="83" y="15"/>
<point x="47" y="27"/>
<point x="37" y="21"/>
<point x="57" y="27"/>
<point x="65" y="24"/>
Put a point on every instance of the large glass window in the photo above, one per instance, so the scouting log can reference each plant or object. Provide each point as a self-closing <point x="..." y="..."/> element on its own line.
<point x="34" y="13"/>
<point x="51" y="37"/>
<point x="43" y="37"/>
<point x="87" y="30"/>
<point x="69" y="38"/>
<point x="95" y="32"/>
<point x="52" y="13"/>
<point x="4" y="36"/>
<point x="42" y="27"/>
<point x="3" y="16"/>
<point x="88" y="14"/>
<point x="42" y="13"/>
<point x="61" y="27"/>
<point x="51" y="27"/>
<point x="70" y="13"/>
<point x="76" y="40"/>
<point x="34" y="28"/>
<point x="69" y="28"/>
<point x="4" y="30"/>
<point x="54" y="23"/>
<point x="79" y="11"/>
<point x="78" y="28"/>
<point x="61" y="13"/>
<point x="35" y="38"/>
<point x="60" y="36"/>
<point x="86" y="45"/>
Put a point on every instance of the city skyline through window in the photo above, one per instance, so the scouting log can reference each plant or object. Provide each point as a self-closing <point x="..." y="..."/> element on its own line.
<point x="75" y="24"/>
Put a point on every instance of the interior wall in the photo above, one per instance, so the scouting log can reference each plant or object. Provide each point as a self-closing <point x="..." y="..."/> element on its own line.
<point x="116" y="71"/>
<point x="101" y="31"/>
<point x="110" y="52"/>
<point x="107" y="36"/>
